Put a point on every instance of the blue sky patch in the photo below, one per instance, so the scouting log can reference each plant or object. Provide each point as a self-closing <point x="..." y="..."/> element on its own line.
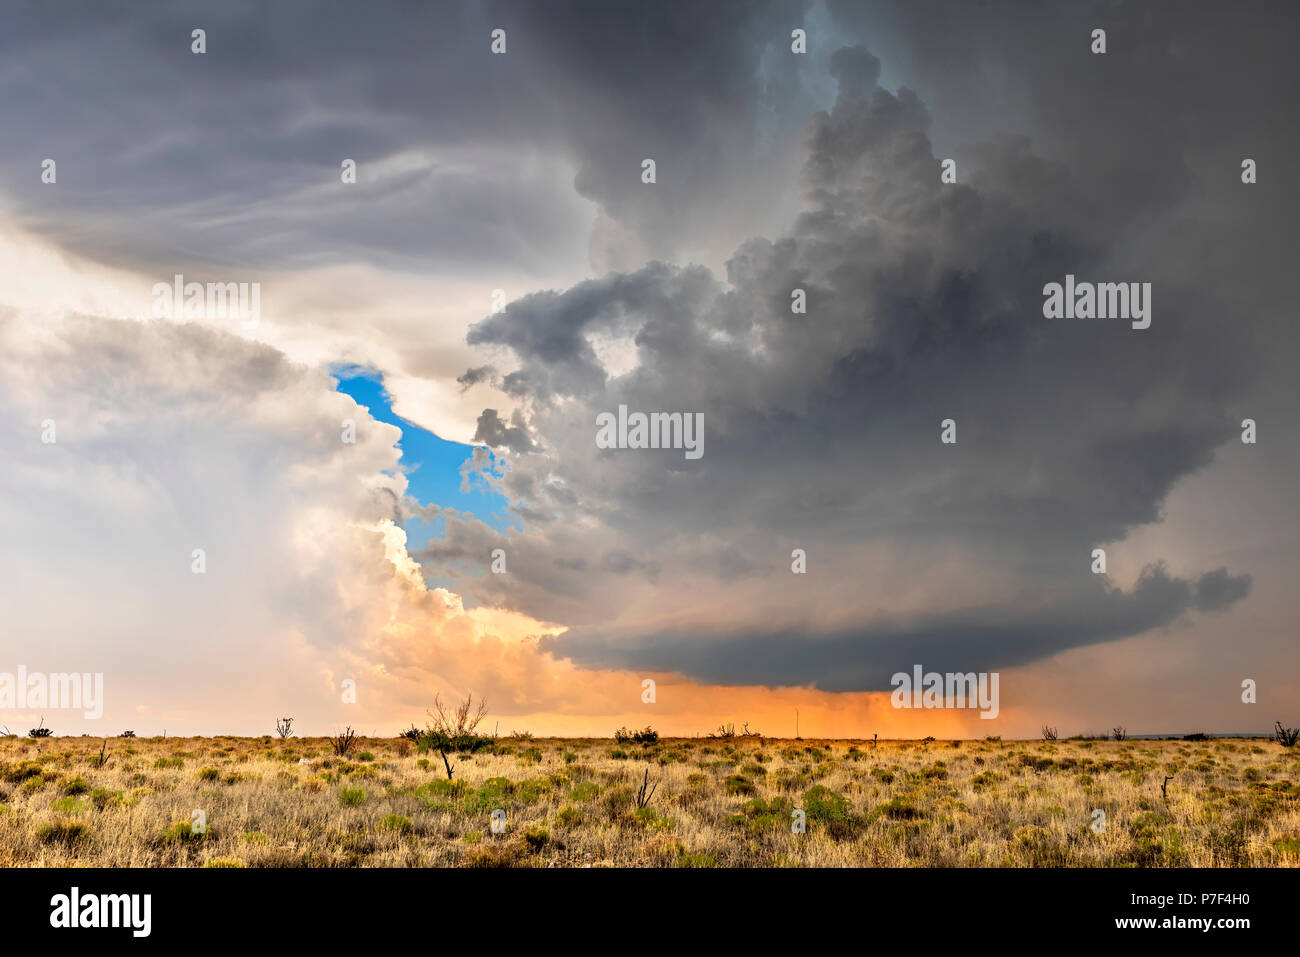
<point x="432" y="464"/>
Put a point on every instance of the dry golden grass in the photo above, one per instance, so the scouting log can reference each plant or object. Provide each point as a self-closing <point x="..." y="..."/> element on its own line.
<point x="720" y="802"/>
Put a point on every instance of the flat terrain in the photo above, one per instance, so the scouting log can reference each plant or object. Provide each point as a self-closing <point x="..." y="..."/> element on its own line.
<point x="728" y="802"/>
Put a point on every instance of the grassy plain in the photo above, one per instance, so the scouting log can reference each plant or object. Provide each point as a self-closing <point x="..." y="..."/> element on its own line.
<point x="726" y="802"/>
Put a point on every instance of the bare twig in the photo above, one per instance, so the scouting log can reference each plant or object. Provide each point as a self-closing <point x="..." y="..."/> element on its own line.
<point x="642" y="798"/>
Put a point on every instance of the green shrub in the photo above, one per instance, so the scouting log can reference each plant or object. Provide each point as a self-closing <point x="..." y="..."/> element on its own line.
<point x="570" y="816"/>
<point x="898" y="808"/>
<point x="585" y="791"/>
<point x="739" y="784"/>
<point x="182" y="832"/>
<point x="495" y="793"/>
<point x="351" y="797"/>
<point x="22" y="771"/>
<point x="647" y="736"/>
<point x="536" y="838"/>
<point x="442" y="788"/>
<point x="618" y="801"/>
<point x="831" y="810"/>
<point x="103" y="797"/>
<point x="1288" y="847"/>
<point x="62" y="831"/>
<point x="395" y="822"/>
<point x="758" y="816"/>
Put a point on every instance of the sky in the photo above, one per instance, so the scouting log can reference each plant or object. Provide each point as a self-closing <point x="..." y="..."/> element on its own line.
<point x="431" y="466"/>
<point x="394" y="476"/>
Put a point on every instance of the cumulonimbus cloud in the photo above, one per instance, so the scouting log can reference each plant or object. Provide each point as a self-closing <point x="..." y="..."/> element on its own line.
<point x="823" y="430"/>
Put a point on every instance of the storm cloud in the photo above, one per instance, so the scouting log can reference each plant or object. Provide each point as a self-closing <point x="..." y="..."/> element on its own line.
<point x="924" y="304"/>
<point x="465" y="159"/>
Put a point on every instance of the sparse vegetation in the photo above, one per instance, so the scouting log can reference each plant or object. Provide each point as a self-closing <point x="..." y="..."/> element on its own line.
<point x="718" y="803"/>
<point x="647" y="736"/>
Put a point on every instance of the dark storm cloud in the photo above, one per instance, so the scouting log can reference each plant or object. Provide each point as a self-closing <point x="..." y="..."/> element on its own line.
<point x="494" y="431"/>
<point x="473" y="377"/>
<point x="865" y="658"/>
<point x="1217" y="590"/>
<point x="227" y="157"/>
<point x="924" y="302"/>
<point x="681" y="83"/>
<point x="1158" y="125"/>
<point x="548" y="331"/>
